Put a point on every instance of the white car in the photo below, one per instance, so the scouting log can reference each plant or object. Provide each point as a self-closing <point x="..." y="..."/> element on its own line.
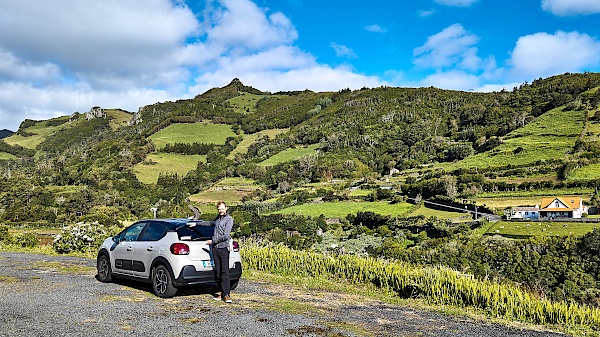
<point x="168" y="253"/>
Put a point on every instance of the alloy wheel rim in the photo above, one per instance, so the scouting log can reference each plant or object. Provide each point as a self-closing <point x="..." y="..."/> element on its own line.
<point x="103" y="268"/>
<point x="160" y="282"/>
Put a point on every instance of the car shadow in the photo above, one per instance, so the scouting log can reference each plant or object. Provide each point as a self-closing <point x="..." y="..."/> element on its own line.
<point x="200" y="289"/>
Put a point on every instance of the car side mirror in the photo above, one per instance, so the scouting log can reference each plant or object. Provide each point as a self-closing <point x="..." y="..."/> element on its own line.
<point x="115" y="239"/>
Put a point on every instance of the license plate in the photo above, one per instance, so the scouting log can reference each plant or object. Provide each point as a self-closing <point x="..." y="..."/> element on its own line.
<point x="208" y="264"/>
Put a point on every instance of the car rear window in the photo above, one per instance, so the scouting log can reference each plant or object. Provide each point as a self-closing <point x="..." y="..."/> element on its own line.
<point x="195" y="233"/>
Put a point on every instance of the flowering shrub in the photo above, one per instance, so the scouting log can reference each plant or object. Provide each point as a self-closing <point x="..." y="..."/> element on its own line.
<point x="82" y="237"/>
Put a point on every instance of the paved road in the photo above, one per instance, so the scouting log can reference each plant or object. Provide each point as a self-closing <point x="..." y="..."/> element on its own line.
<point x="59" y="296"/>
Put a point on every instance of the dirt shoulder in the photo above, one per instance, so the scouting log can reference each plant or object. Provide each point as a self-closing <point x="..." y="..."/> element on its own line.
<point x="58" y="295"/>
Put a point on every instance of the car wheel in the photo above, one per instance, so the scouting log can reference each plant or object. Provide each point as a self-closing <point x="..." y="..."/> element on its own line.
<point x="162" y="284"/>
<point x="104" y="270"/>
<point x="234" y="283"/>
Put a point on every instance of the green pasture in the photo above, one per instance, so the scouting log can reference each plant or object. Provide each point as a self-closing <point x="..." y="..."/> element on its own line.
<point x="360" y="192"/>
<point x="290" y="154"/>
<point x="549" y="137"/>
<point x="576" y="191"/>
<point x="588" y="172"/>
<point x="189" y="133"/>
<point x="5" y="156"/>
<point x="166" y="163"/>
<point x="40" y="131"/>
<point x="341" y="209"/>
<point x="245" y="103"/>
<point x="119" y="118"/>
<point x="531" y="228"/>
<point x="428" y="212"/>
<point x="242" y="147"/>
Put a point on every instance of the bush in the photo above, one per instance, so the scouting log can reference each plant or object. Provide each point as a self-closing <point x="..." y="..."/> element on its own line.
<point x="5" y="236"/>
<point x="27" y="239"/>
<point x="82" y="237"/>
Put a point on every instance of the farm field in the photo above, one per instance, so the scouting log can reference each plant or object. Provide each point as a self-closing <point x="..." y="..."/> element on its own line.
<point x="188" y="133"/>
<point x="530" y="228"/>
<point x="587" y="172"/>
<point x="341" y="209"/>
<point x="546" y="138"/>
<point x="242" y="147"/>
<point x="290" y="154"/>
<point x="166" y="163"/>
<point x="429" y="212"/>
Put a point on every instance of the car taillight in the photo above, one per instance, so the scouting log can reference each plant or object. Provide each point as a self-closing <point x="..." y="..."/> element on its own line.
<point x="180" y="249"/>
<point x="236" y="246"/>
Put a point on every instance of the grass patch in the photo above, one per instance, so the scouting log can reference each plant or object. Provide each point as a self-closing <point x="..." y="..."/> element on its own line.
<point x="6" y="156"/>
<point x="188" y="133"/>
<point x="588" y="172"/>
<point x="242" y="147"/>
<point x="8" y="279"/>
<point x="119" y="118"/>
<point x="290" y="154"/>
<point x="530" y="228"/>
<point x="579" y="191"/>
<point x="171" y="163"/>
<point x="64" y="268"/>
<point x="245" y="102"/>
<point x="429" y="212"/>
<point x="230" y="196"/>
<point x="341" y="209"/>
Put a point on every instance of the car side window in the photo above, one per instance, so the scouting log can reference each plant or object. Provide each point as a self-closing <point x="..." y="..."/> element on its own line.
<point x="132" y="233"/>
<point x="153" y="232"/>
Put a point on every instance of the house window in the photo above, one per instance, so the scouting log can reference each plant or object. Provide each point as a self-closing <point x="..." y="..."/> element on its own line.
<point x="557" y="204"/>
<point x="526" y="213"/>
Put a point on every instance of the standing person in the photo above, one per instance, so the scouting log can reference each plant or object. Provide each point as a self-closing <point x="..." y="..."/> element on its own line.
<point x="220" y="249"/>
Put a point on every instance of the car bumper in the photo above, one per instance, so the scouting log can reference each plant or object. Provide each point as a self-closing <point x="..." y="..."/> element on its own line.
<point x="189" y="275"/>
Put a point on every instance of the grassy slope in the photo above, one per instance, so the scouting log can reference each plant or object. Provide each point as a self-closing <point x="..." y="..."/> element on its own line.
<point x="166" y="163"/>
<point x="40" y="131"/>
<point x="4" y="156"/>
<point x="120" y="118"/>
<point x="245" y="103"/>
<point x="290" y="154"/>
<point x="540" y="228"/>
<point x="242" y="147"/>
<point x="230" y="190"/>
<point x="550" y="136"/>
<point x="206" y="133"/>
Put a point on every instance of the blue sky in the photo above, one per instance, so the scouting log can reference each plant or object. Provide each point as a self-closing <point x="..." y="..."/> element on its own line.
<point x="62" y="56"/>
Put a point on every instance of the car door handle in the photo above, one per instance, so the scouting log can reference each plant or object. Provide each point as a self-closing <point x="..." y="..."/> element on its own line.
<point x="150" y="248"/>
<point x="129" y="248"/>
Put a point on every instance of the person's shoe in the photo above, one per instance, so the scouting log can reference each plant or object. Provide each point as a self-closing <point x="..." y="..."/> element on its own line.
<point x="227" y="299"/>
<point x="217" y="297"/>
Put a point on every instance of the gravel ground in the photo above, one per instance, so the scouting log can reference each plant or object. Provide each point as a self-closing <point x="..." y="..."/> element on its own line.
<point x="44" y="295"/>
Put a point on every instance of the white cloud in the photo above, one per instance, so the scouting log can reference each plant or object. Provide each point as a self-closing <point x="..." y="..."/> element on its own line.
<point x="571" y="7"/>
<point x="242" y="24"/>
<point x="426" y="13"/>
<point x="543" y="54"/>
<point x="451" y="47"/>
<point x="375" y="29"/>
<point x="457" y="3"/>
<point x="497" y="87"/>
<point x="342" y="51"/>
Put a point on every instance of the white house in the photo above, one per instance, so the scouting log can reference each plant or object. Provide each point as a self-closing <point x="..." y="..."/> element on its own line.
<point x="564" y="207"/>
<point x="525" y="213"/>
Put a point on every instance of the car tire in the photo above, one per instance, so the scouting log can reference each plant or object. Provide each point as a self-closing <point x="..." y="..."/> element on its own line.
<point x="233" y="284"/>
<point x="104" y="269"/>
<point x="162" y="282"/>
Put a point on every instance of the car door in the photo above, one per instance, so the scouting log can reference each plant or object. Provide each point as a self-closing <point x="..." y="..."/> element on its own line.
<point x="122" y="254"/>
<point x="147" y="248"/>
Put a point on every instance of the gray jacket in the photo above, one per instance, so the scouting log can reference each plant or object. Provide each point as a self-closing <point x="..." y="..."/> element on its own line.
<point x="222" y="233"/>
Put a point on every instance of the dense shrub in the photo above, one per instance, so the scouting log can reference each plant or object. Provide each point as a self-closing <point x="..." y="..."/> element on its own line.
<point x="5" y="236"/>
<point x="26" y="239"/>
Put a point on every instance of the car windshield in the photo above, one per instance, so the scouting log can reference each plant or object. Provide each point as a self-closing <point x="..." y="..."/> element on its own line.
<point x="195" y="233"/>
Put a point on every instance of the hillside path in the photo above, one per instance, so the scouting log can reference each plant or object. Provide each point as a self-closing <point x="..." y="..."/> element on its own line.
<point x="42" y="295"/>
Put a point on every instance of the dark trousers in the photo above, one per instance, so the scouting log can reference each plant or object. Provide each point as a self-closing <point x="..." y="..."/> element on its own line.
<point x="221" y="258"/>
